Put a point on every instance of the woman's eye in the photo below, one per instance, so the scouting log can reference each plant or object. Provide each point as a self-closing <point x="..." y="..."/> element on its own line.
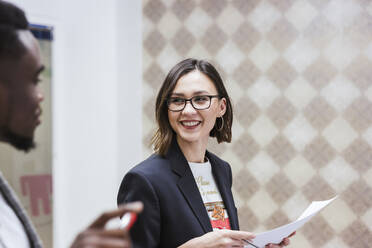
<point x="201" y="99"/>
<point x="177" y="100"/>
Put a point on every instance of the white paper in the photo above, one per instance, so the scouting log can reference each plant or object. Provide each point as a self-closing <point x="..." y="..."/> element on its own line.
<point x="276" y="235"/>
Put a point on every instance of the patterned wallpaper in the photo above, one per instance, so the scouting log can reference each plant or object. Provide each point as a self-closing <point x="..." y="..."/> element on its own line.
<point x="300" y="76"/>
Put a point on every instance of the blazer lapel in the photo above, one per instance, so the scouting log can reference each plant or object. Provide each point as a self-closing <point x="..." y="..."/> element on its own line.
<point x="223" y="184"/>
<point x="187" y="185"/>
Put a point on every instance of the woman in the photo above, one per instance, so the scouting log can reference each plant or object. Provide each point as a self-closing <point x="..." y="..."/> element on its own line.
<point x="186" y="190"/>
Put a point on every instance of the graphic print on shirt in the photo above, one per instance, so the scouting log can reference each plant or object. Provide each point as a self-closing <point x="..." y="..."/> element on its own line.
<point x="218" y="215"/>
<point x="211" y="196"/>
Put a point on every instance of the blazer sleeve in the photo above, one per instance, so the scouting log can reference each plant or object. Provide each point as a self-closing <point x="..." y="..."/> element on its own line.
<point x="145" y="232"/>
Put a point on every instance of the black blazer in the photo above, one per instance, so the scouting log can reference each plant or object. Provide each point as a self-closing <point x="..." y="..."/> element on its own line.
<point x="173" y="208"/>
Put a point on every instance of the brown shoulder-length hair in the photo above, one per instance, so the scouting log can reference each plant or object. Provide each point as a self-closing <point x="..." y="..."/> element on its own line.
<point x="163" y="136"/>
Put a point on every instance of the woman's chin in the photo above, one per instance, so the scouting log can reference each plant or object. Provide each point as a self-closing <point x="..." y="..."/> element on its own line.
<point x="191" y="138"/>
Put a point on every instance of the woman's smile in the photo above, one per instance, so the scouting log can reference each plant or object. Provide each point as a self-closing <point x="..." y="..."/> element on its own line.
<point x="190" y="124"/>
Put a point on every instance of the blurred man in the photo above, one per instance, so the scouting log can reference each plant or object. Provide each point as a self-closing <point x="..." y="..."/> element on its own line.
<point x="20" y="98"/>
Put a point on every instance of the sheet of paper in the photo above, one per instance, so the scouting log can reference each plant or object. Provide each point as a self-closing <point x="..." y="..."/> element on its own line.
<point x="276" y="235"/>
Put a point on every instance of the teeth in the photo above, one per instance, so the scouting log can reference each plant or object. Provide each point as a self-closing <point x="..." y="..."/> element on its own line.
<point x="190" y="123"/>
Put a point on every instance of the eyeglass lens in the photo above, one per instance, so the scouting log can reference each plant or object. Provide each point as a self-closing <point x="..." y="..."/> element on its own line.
<point x="198" y="102"/>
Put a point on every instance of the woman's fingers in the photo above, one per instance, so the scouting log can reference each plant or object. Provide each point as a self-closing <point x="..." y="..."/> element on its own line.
<point x="285" y="242"/>
<point x="239" y="235"/>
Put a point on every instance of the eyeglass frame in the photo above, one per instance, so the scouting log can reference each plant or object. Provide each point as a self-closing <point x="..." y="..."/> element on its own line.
<point x="190" y="100"/>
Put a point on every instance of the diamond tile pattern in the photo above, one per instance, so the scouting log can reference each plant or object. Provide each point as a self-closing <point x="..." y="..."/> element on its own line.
<point x="183" y="41"/>
<point x="320" y="32"/>
<point x="281" y="112"/>
<point x="317" y="187"/>
<point x="277" y="218"/>
<point x="318" y="231"/>
<point x="280" y="188"/>
<point x="281" y="73"/>
<point x="318" y="152"/>
<point x="357" y="235"/>
<point x="320" y="73"/>
<point x="299" y="74"/>
<point x="245" y="6"/>
<point x="213" y="7"/>
<point x="319" y="113"/>
<point x="245" y="184"/>
<point x="183" y="8"/>
<point x="246" y="117"/>
<point x="359" y="71"/>
<point x="246" y="74"/>
<point x="282" y="34"/>
<point x="154" y="10"/>
<point x="213" y="39"/>
<point x="246" y="37"/>
<point x="359" y="197"/>
<point x="281" y="150"/>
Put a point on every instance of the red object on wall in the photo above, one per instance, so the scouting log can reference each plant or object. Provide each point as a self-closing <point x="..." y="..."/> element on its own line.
<point x="38" y="187"/>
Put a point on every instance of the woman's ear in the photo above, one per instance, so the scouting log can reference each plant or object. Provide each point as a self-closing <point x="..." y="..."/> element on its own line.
<point x="222" y="107"/>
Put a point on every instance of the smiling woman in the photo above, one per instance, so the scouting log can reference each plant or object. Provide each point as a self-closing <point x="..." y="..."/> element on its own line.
<point x="186" y="190"/>
<point x="211" y="86"/>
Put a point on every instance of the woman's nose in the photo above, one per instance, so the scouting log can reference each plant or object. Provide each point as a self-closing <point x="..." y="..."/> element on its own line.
<point x="188" y="108"/>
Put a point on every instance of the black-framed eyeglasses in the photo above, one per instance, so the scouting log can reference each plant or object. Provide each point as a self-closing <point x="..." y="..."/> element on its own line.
<point x="199" y="102"/>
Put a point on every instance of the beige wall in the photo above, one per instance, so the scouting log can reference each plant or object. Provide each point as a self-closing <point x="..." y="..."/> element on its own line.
<point x="299" y="73"/>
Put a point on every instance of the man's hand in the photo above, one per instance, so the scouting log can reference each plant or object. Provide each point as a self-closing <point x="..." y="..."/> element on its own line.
<point x="97" y="236"/>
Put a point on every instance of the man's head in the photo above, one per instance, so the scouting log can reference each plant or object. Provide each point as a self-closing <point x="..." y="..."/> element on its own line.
<point x="20" y="66"/>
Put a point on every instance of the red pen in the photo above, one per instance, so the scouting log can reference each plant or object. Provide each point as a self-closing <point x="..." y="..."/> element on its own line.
<point x="128" y="220"/>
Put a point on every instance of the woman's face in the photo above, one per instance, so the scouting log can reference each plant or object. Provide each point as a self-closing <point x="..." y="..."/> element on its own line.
<point x="191" y="125"/>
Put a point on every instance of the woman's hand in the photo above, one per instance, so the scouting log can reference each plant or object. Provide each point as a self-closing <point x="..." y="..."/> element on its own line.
<point x="220" y="238"/>
<point x="284" y="242"/>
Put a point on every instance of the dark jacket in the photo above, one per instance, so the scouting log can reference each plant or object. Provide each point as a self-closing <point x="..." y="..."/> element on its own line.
<point x="173" y="208"/>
